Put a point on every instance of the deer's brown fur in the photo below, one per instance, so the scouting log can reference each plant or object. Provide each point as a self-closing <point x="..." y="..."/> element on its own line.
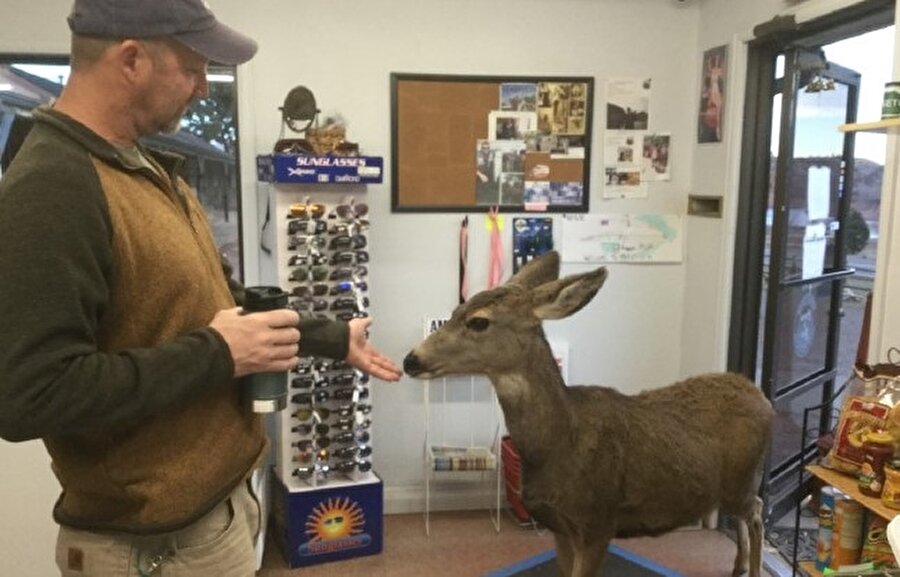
<point x="596" y="463"/>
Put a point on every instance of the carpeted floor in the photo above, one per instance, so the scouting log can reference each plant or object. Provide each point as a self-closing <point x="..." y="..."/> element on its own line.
<point x="465" y="544"/>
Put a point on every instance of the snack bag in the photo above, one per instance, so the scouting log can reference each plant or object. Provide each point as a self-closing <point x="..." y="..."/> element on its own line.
<point x="859" y="417"/>
<point x="875" y="544"/>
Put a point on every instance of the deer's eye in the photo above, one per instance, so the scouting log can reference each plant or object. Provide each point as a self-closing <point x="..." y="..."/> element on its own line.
<point x="478" y="324"/>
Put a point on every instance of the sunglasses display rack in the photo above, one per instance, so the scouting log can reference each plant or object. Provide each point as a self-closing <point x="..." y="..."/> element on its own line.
<point x="327" y="269"/>
<point x="320" y="258"/>
<point x="326" y="501"/>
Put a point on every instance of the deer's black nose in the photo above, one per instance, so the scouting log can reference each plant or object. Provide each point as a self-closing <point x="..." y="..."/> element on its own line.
<point x="411" y="365"/>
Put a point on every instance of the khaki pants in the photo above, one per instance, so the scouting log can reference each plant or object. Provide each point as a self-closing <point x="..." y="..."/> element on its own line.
<point x="220" y="544"/>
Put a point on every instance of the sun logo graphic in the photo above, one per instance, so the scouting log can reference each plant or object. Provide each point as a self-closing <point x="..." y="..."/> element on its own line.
<point x="335" y="525"/>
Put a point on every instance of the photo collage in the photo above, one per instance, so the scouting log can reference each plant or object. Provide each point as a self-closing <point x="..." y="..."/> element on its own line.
<point x="535" y="149"/>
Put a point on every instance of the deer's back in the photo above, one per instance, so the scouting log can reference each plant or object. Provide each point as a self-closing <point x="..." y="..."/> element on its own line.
<point x="667" y="456"/>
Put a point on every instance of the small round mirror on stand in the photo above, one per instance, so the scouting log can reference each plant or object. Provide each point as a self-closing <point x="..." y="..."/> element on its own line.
<point x="298" y="113"/>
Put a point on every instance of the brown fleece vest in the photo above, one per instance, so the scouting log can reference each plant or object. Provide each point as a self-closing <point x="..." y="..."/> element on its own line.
<point x="167" y="471"/>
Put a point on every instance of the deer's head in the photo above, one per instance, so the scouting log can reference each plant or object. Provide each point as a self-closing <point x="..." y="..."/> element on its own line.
<point x="491" y="332"/>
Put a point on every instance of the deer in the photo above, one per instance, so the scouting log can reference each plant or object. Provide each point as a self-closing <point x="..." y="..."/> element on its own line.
<point x="598" y="464"/>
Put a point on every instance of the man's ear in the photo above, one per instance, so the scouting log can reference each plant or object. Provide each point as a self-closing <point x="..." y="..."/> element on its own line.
<point x="132" y="57"/>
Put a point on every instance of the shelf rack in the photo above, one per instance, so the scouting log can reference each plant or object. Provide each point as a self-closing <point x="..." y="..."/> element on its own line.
<point x="845" y="483"/>
<point x="881" y="126"/>
<point x="432" y="474"/>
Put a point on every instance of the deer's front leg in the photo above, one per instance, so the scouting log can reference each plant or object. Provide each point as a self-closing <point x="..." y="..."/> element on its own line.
<point x="749" y="554"/>
<point x="565" y="554"/>
<point x="589" y="557"/>
<point x="756" y="539"/>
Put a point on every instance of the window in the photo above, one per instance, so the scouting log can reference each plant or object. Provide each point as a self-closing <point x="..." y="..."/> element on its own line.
<point x="208" y="138"/>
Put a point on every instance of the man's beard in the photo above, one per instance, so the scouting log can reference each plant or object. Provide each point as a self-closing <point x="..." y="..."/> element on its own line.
<point x="174" y="125"/>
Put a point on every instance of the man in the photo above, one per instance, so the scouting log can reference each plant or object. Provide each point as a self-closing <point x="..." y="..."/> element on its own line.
<point x="121" y="343"/>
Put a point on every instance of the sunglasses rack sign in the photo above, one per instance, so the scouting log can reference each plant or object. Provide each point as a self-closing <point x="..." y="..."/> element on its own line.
<point x="310" y="169"/>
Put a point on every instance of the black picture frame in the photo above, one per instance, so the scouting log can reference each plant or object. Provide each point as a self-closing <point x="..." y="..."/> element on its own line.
<point x="539" y="152"/>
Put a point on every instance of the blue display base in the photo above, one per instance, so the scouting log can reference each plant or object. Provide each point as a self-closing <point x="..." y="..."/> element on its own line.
<point x="328" y="523"/>
<point x="618" y="562"/>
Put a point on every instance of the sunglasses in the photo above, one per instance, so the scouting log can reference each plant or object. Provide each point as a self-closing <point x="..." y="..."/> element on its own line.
<point x="308" y="454"/>
<point x="350" y="303"/>
<point x="339" y="228"/>
<point x="348" y="273"/>
<point x="350" y="423"/>
<point x="306" y="210"/>
<point x="309" y="381"/>
<point x="351" y="394"/>
<point x="306" y="273"/>
<point x="345" y="241"/>
<point x="350" y="465"/>
<point x="307" y="227"/>
<point x="350" y="211"/>
<point x="339" y="366"/>
<point x="348" y="437"/>
<point x="305" y="429"/>
<point x="310" y="305"/>
<point x="294" y="146"/>
<point x="303" y="246"/>
<point x="348" y="452"/>
<point x="354" y="408"/>
<point x="309" y="257"/>
<point x="307" y="240"/>
<point x="315" y="290"/>
<point x="306" y="473"/>
<point x="318" y="396"/>
<point x="324" y="441"/>
<point x="316" y="443"/>
<point x="350" y="257"/>
<point x="308" y="367"/>
<point x="344" y="287"/>
<point x="341" y="379"/>
<point x="307" y="413"/>
<point x="348" y="316"/>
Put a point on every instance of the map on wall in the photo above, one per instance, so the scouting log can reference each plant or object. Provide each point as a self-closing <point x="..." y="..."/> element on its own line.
<point x="624" y="238"/>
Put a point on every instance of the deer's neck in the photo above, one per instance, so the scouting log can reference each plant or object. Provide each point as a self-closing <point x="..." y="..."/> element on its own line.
<point x="535" y="404"/>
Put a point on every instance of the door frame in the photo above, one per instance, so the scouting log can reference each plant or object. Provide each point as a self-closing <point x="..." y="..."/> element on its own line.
<point x="771" y="39"/>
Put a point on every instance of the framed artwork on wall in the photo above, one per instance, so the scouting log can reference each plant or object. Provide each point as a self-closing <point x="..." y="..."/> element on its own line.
<point x="469" y="143"/>
<point x="712" y="95"/>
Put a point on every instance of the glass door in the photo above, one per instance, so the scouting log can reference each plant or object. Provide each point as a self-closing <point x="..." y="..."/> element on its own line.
<point x="804" y="260"/>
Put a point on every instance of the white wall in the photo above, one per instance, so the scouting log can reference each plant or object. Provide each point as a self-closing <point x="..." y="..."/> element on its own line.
<point x="649" y="326"/>
<point x="631" y="335"/>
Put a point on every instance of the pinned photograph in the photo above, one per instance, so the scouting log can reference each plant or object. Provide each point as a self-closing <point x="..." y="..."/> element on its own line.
<point x="561" y="107"/>
<point x="628" y="104"/>
<point x="512" y="188"/>
<point x="623" y="183"/>
<point x="504" y="125"/>
<point x="495" y="162"/>
<point x="518" y="96"/>
<point x="655" y="157"/>
<point x="487" y="173"/>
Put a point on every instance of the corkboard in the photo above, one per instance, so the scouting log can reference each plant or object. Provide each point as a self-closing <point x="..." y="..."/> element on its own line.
<point x="440" y="122"/>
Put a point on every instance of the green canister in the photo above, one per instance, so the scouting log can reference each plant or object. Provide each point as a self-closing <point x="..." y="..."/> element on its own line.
<point x="891" y="104"/>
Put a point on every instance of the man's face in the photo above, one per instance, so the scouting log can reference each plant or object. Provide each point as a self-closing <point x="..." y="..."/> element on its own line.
<point x="178" y="77"/>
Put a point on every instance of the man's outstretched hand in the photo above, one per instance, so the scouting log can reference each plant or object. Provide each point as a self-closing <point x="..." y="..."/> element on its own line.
<point x="363" y="356"/>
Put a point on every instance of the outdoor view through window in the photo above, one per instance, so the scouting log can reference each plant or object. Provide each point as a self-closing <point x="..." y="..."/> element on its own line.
<point x="207" y="139"/>
<point x="821" y="111"/>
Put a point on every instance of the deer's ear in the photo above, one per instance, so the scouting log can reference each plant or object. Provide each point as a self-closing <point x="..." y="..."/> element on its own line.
<point x="561" y="298"/>
<point x="543" y="269"/>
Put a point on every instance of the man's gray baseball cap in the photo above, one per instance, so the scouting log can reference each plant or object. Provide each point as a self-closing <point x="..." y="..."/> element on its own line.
<point x="191" y="22"/>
